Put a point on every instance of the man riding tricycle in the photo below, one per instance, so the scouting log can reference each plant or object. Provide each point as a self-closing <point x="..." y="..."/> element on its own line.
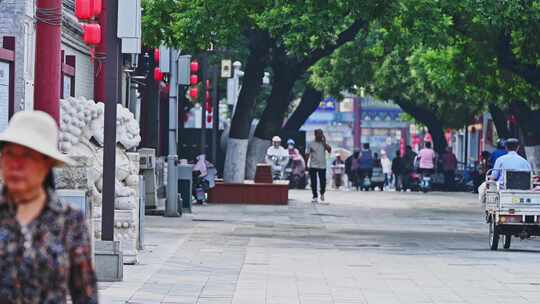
<point x="511" y="198"/>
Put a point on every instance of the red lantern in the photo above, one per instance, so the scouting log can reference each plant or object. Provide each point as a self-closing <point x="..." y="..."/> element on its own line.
<point x="158" y="75"/>
<point x="84" y="9"/>
<point x="97" y="7"/>
<point x="92" y="34"/>
<point x="157" y="55"/>
<point x="193" y="93"/>
<point x="194" y="79"/>
<point x="194" y="67"/>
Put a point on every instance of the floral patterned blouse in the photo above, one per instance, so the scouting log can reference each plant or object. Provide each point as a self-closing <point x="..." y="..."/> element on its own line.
<point x="42" y="261"/>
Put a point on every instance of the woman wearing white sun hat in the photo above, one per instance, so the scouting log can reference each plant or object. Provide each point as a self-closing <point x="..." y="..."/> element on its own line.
<point x="45" y="249"/>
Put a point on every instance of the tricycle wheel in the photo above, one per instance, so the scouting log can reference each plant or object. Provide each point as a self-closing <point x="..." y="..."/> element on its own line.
<point x="507" y="241"/>
<point x="493" y="235"/>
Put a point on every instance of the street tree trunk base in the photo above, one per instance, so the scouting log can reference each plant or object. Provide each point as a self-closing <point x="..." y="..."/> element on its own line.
<point x="533" y="156"/>
<point x="255" y="154"/>
<point x="235" y="164"/>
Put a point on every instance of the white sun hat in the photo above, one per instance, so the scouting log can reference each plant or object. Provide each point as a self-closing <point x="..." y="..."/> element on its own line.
<point x="35" y="130"/>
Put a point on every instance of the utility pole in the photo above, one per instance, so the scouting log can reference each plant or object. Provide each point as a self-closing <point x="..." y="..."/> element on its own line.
<point x="48" y="62"/>
<point x="171" y="209"/>
<point x="215" y="113"/>
<point x="111" y="77"/>
<point x="203" y="112"/>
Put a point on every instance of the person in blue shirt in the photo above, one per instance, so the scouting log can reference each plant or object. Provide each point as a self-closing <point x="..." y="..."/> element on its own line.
<point x="510" y="161"/>
<point x="500" y="151"/>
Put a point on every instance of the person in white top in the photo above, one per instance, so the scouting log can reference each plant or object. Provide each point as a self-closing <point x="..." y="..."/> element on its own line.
<point x="276" y="155"/>
<point x="386" y="164"/>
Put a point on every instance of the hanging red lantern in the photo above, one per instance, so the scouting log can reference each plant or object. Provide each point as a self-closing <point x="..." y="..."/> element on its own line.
<point x="91" y="34"/>
<point x="194" y="79"/>
<point x="97" y="6"/>
<point x="84" y="9"/>
<point x="157" y="56"/>
<point x="193" y="93"/>
<point x="194" y="67"/>
<point x="158" y="75"/>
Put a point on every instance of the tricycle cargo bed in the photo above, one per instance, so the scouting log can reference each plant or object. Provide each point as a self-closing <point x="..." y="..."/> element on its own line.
<point x="513" y="202"/>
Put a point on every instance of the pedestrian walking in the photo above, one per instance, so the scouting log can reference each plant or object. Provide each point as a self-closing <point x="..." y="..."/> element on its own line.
<point x="408" y="167"/>
<point x="365" y="167"/>
<point x="386" y="168"/>
<point x="484" y="165"/>
<point x="338" y="169"/>
<point x="449" y="164"/>
<point x="426" y="160"/>
<point x="397" y="170"/>
<point x="351" y="168"/>
<point x="45" y="249"/>
<point x="316" y="155"/>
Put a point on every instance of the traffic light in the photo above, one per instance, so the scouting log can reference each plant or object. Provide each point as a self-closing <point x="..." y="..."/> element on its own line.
<point x="194" y="80"/>
<point x="208" y="102"/>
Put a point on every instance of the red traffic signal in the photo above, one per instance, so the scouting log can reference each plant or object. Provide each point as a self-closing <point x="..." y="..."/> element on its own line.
<point x="157" y="56"/>
<point x="193" y="93"/>
<point x="194" y="67"/>
<point x="91" y="34"/>
<point x="194" y="79"/>
<point x="158" y="75"/>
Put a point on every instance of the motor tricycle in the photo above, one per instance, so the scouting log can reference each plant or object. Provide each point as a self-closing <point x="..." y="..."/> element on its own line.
<point x="512" y="208"/>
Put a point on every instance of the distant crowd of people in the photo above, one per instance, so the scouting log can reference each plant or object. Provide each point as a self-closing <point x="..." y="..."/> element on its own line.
<point x="400" y="172"/>
<point x="368" y="170"/>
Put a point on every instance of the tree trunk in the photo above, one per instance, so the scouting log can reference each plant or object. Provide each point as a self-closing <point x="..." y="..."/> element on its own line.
<point x="235" y="160"/>
<point x="428" y="118"/>
<point x="500" y="121"/>
<point x="528" y="123"/>
<point x="286" y="71"/>
<point x="310" y="101"/>
<point x="507" y="60"/>
<point x="272" y="117"/>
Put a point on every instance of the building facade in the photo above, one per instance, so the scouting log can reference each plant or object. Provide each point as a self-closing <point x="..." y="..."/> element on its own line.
<point x="17" y="22"/>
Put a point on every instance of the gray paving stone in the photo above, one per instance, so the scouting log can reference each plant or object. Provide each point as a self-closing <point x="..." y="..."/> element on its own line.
<point x="363" y="248"/>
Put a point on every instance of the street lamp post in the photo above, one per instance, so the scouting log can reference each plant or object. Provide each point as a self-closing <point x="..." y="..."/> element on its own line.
<point x="233" y="86"/>
<point x="171" y="209"/>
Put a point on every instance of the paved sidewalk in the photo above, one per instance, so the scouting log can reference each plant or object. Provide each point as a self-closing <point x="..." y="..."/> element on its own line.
<point x="361" y="248"/>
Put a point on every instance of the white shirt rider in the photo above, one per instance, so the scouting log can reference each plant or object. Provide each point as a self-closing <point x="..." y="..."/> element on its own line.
<point x="510" y="162"/>
<point x="278" y="151"/>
